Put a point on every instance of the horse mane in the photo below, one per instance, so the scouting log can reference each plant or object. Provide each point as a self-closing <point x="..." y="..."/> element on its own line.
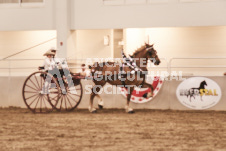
<point x="139" y="50"/>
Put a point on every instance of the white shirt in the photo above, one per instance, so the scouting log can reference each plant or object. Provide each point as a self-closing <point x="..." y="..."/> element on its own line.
<point x="49" y="64"/>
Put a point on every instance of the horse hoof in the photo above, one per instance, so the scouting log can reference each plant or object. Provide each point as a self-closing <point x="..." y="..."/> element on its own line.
<point x="94" y="111"/>
<point x="100" y="106"/>
<point x="145" y="95"/>
<point x="131" y="112"/>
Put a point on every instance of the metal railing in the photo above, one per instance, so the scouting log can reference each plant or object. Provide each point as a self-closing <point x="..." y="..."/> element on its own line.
<point x="22" y="65"/>
<point x="26" y="64"/>
<point x="19" y="52"/>
<point x="20" y="3"/>
<point x="148" y="2"/>
<point x="170" y="66"/>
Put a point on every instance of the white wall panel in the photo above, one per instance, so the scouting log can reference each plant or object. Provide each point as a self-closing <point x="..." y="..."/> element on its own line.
<point x="135" y="2"/>
<point x="34" y="17"/>
<point x="180" y="42"/>
<point x="184" y="42"/>
<point x="90" y="44"/>
<point x="16" y="41"/>
<point x="93" y="14"/>
<point x="113" y="2"/>
<point x="100" y="14"/>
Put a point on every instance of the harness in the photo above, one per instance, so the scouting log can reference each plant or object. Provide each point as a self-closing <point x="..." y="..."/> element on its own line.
<point x="130" y="62"/>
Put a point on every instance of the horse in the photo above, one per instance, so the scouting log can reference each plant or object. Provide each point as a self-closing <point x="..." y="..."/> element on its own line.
<point x="141" y="57"/>
<point x="195" y="91"/>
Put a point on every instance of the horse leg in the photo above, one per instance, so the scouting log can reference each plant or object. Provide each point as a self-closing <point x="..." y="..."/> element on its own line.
<point x="92" y="96"/>
<point x="149" y="94"/>
<point x="94" y="93"/>
<point x="128" y="109"/>
<point x="190" y="97"/>
<point x="100" y="102"/>
<point x="91" y="109"/>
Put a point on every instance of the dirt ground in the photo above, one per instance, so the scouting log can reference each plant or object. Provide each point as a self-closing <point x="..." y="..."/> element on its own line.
<point x="112" y="129"/>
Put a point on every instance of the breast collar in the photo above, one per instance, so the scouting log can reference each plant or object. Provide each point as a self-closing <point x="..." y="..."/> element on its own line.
<point x="130" y="62"/>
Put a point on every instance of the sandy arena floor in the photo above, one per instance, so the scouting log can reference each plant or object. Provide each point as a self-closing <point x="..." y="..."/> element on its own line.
<point x="156" y="130"/>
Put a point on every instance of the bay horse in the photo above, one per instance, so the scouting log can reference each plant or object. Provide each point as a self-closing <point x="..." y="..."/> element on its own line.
<point x="141" y="57"/>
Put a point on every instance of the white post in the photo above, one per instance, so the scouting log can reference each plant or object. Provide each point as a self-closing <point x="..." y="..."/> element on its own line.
<point x="63" y="14"/>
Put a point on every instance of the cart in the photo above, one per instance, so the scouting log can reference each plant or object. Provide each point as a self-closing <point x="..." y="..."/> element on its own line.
<point x="42" y="93"/>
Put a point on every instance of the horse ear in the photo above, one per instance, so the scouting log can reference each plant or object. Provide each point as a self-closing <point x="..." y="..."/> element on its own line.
<point x="148" y="45"/>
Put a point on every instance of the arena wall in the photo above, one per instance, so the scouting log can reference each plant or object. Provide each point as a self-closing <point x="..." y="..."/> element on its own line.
<point x="11" y="95"/>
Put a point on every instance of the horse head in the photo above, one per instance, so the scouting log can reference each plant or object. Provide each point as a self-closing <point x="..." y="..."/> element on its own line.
<point x="152" y="54"/>
<point x="148" y="52"/>
<point x="203" y="84"/>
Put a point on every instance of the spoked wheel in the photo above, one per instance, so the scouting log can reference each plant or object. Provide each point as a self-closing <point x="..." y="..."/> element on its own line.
<point x="38" y="89"/>
<point x="69" y="98"/>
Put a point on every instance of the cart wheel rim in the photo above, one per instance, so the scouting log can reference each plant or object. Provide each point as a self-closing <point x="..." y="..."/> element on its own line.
<point x="70" y="98"/>
<point x="34" y="97"/>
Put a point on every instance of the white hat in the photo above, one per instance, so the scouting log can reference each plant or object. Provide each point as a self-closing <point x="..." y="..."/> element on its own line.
<point x="53" y="49"/>
<point x="49" y="52"/>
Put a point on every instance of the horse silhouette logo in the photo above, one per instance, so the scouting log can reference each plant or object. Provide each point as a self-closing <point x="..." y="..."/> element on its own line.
<point x="198" y="93"/>
<point x="192" y="92"/>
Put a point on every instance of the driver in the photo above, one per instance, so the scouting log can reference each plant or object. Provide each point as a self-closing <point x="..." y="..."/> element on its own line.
<point x="49" y="63"/>
<point x="58" y="68"/>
